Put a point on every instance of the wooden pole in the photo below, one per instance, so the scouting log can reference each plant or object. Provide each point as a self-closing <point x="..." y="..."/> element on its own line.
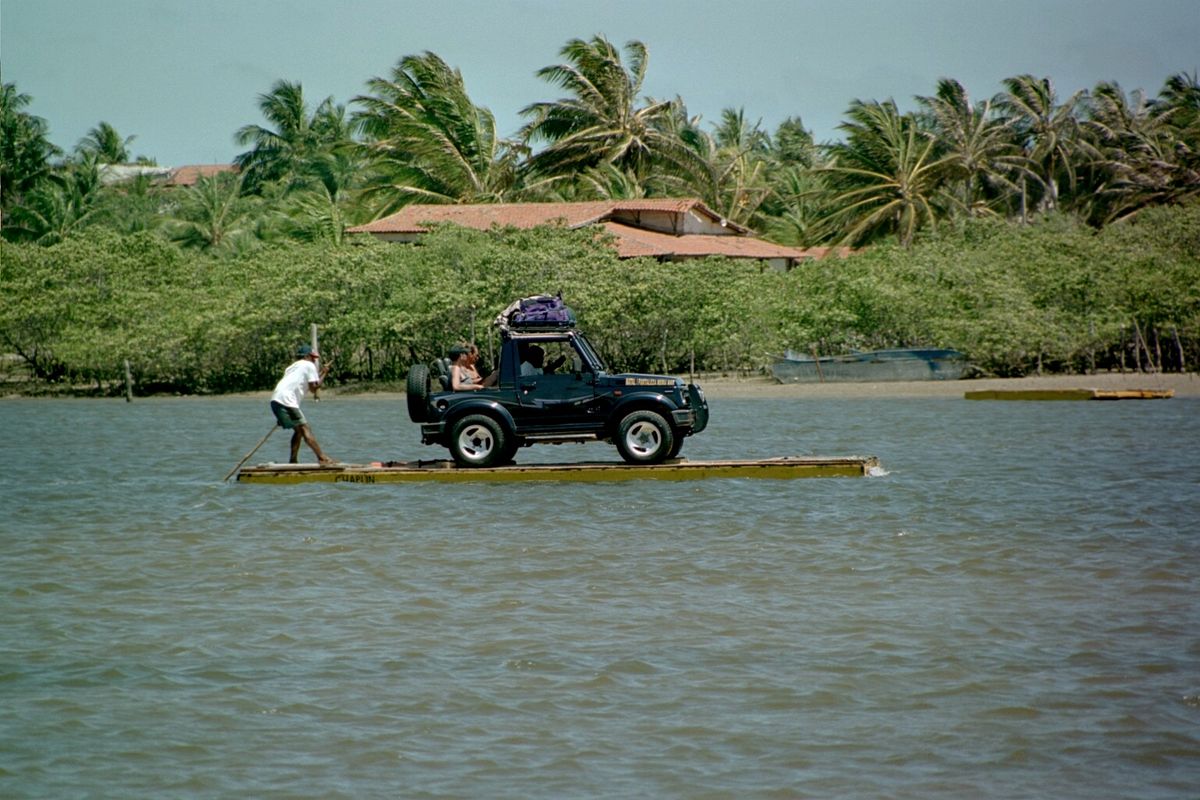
<point x="317" y="391"/>
<point x="128" y="383"/>
<point x="1178" y="348"/>
<point x="817" y="362"/>
<point x="246" y="457"/>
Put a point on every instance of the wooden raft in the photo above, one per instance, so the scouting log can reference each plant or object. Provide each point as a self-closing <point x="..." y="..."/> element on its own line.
<point x="1070" y="394"/>
<point x="448" y="472"/>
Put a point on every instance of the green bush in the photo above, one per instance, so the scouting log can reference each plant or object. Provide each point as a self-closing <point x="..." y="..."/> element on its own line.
<point x="1051" y="296"/>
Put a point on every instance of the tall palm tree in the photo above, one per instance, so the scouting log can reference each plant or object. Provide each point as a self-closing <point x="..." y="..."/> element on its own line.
<point x="108" y="146"/>
<point x="1138" y="153"/>
<point x="428" y="143"/>
<point x="25" y="149"/>
<point x="982" y="152"/>
<point x="283" y="149"/>
<point x="603" y="119"/>
<point x="728" y="168"/>
<point x="1180" y="95"/>
<point x="887" y="177"/>
<point x="1048" y="130"/>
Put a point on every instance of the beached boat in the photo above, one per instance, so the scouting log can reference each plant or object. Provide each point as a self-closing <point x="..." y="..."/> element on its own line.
<point x="909" y="364"/>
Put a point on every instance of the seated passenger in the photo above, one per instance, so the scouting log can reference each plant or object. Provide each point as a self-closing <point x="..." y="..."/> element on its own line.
<point x="531" y="360"/>
<point x="464" y="377"/>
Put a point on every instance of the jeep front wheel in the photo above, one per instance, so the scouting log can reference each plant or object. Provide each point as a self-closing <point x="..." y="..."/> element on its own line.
<point x="478" y="441"/>
<point x="644" y="437"/>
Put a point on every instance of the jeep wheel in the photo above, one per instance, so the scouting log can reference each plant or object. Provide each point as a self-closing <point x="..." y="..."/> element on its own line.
<point x="644" y="437"/>
<point x="675" y="448"/>
<point x="416" y="391"/>
<point x="478" y="440"/>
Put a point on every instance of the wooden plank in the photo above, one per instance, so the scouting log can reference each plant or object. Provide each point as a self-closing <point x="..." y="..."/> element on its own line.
<point x="589" y="472"/>
<point x="1070" y="394"/>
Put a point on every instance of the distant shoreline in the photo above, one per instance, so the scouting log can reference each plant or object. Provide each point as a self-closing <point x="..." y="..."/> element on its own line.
<point x="1183" y="384"/>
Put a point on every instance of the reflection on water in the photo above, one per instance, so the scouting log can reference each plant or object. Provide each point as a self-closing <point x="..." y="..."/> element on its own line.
<point x="1009" y="612"/>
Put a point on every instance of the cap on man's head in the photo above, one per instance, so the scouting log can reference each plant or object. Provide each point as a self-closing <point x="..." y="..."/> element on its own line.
<point x="304" y="351"/>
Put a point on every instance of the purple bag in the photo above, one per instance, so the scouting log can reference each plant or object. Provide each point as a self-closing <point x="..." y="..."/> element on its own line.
<point x="542" y="311"/>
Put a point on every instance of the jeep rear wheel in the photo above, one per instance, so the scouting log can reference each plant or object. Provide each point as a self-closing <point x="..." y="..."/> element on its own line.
<point x="416" y="392"/>
<point x="478" y="440"/>
<point x="644" y="437"/>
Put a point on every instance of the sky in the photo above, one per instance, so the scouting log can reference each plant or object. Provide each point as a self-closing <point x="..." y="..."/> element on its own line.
<point x="183" y="75"/>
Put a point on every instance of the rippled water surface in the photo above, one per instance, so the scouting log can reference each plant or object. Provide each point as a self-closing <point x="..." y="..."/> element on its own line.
<point x="1011" y="611"/>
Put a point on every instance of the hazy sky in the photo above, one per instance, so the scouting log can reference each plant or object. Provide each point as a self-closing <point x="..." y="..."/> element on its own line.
<point x="183" y="75"/>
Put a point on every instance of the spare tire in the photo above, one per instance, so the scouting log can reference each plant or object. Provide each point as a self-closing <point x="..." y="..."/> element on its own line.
<point x="416" y="391"/>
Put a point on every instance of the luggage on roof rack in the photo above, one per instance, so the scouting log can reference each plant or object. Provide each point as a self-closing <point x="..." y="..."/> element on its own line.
<point x="537" y="312"/>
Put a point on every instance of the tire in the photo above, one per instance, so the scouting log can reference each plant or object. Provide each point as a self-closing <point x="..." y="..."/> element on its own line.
<point x="478" y="440"/>
<point x="675" y="448"/>
<point x="416" y="391"/>
<point x="644" y="437"/>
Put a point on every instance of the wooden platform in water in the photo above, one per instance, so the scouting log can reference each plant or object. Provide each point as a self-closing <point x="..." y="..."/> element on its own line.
<point x="1070" y="394"/>
<point x="447" y="472"/>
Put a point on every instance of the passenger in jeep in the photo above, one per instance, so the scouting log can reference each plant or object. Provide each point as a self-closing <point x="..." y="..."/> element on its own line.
<point x="464" y="377"/>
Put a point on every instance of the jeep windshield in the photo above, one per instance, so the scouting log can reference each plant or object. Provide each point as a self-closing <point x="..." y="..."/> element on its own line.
<point x="589" y="353"/>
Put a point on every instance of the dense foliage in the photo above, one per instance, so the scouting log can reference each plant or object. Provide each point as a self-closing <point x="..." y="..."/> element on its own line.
<point x="1053" y="295"/>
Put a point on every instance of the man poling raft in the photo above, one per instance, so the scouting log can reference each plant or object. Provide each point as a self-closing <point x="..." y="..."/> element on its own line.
<point x="298" y="379"/>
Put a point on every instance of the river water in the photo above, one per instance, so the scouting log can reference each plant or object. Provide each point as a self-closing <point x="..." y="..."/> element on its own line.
<point x="1010" y="611"/>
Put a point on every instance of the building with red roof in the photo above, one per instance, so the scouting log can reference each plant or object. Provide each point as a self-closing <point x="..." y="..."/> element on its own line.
<point x="667" y="229"/>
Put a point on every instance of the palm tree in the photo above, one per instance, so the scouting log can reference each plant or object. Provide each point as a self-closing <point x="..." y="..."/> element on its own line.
<point x="603" y="120"/>
<point x="25" y="150"/>
<point x="886" y="176"/>
<point x="105" y="144"/>
<point x="283" y="150"/>
<point x="428" y="142"/>
<point x="1046" y="129"/>
<point x="793" y="144"/>
<point x="1180" y="96"/>
<point x="982" y="152"/>
<point x="61" y="204"/>
<point x="1139" y="154"/>
<point x="322" y="211"/>
<point x="213" y="215"/>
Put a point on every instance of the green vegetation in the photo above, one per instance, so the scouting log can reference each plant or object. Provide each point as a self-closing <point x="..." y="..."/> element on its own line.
<point x="1055" y="295"/>
<point x="1029" y="230"/>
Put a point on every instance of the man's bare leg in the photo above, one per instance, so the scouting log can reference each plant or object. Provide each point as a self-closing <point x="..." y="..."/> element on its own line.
<point x="311" y="441"/>
<point x="296" y="437"/>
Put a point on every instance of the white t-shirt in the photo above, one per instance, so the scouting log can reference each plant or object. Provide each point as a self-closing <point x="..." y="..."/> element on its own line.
<point x="294" y="383"/>
<point x="529" y="369"/>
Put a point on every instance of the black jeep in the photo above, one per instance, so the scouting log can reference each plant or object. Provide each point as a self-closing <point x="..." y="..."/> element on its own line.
<point x="573" y="399"/>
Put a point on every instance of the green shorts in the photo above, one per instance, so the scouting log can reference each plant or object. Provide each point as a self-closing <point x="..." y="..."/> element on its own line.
<point x="288" y="417"/>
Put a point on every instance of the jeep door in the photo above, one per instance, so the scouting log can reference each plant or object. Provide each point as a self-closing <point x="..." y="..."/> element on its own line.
<point x="563" y="399"/>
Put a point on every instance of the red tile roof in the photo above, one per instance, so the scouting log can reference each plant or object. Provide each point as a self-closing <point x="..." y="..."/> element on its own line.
<point x="188" y="175"/>
<point x="631" y="240"/>
<point x="527" y="215"/>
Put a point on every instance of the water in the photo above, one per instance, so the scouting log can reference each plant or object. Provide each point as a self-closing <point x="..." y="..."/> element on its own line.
<point x="1011" y="611"/>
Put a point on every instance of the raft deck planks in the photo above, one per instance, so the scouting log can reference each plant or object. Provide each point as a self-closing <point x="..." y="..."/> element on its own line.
<point x="447" y="472"/>
<point x="1070" y="394"/>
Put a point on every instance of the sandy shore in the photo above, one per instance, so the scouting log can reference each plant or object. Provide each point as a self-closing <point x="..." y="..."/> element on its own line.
<point x="1186" y="385"/>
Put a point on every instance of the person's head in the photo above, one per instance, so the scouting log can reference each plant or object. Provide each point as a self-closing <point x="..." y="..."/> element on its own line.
<point x="306" y="352"/>
<point x="535" y="355"/>
<point x="459" y="351"/>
